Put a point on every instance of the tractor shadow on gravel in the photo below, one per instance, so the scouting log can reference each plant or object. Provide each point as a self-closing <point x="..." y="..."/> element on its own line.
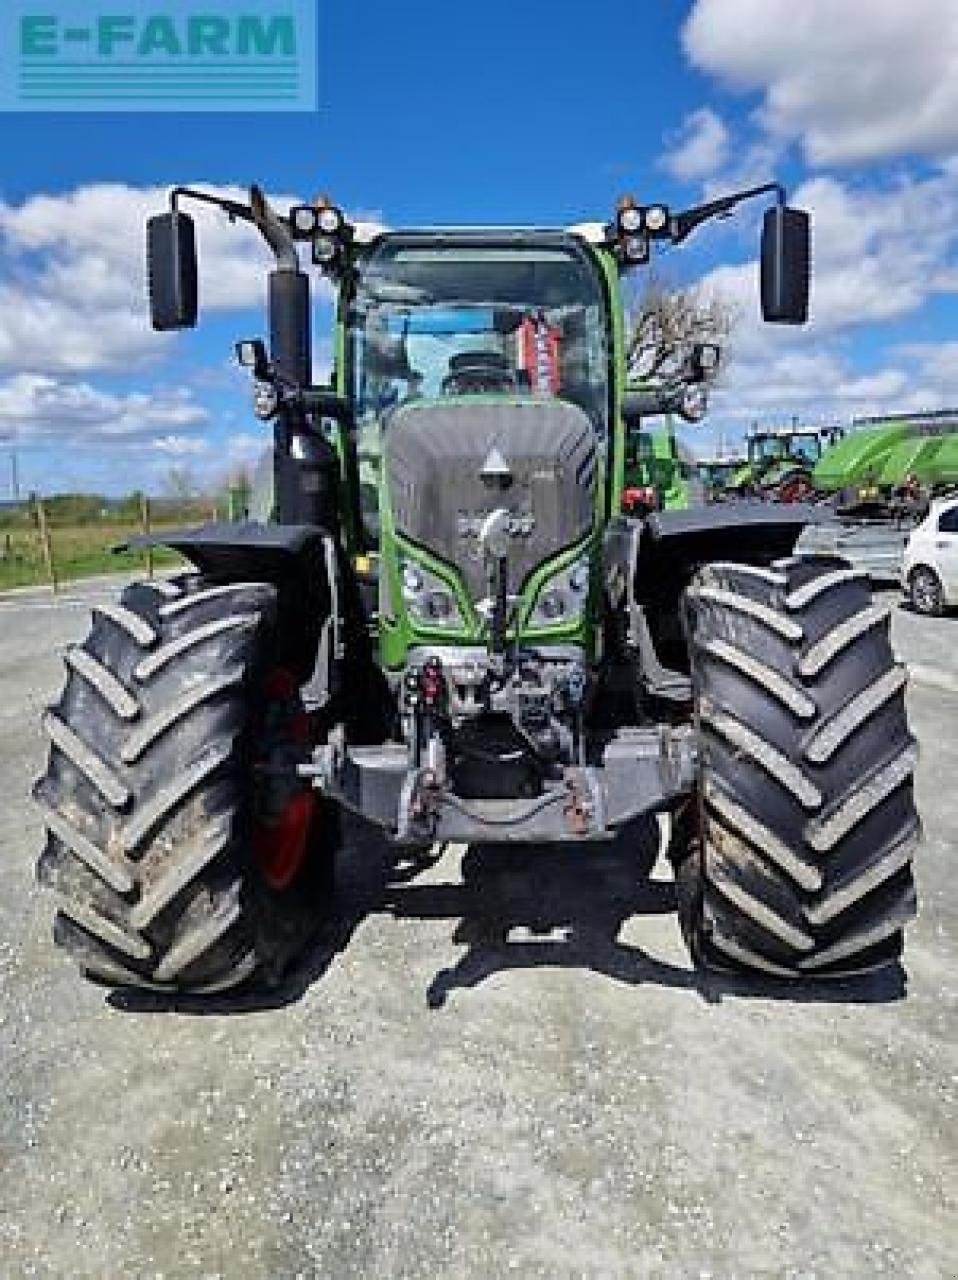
<point x="566" y="907"/>
<point x="542" y="907"/>
<point x="548" y="907"/>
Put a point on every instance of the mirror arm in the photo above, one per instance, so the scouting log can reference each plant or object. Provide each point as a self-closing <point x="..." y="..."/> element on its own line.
<point x="230" y="207"/>
<point x="683" y="224"/>
<point x="259" y="212"/>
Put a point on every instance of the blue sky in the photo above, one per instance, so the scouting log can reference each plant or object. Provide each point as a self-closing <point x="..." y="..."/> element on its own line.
<point x="507" y="113"/>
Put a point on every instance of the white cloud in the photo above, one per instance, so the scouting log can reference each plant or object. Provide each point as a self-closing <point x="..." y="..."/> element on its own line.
<point x="888" y="385"/>
<point x="936" y="370"/>
<point x="181" y="446"/>
<point x="73" y="279"/>
<point x="853" y="82"/>
<point x="820" y="385"/>
<point x="40" y="408"/>
<point x="699" y="148"/>
<point x="877" y="255"/>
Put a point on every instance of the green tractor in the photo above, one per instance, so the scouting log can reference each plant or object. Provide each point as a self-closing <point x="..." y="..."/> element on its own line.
<point x="781" y="462"/>
<point x="716" y="473"/>
<point x="460" y="637"/>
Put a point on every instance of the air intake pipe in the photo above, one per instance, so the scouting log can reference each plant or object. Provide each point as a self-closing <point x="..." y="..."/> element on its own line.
<point x="306" y="464"/>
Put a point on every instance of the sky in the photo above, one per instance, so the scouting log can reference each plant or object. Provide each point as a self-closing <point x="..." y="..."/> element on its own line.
<point x="501" y="113"/>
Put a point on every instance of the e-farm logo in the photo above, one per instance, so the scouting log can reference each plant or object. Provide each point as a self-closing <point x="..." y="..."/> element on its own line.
<point x="211" y="55"/>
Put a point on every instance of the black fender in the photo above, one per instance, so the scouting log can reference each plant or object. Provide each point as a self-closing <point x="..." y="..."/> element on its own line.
<point x="230" y="552"/>
<point x="303" y="562"/>
<point x="319" y="594"/>
<point x="674" y="544"/>
<point x="650" y="562"/>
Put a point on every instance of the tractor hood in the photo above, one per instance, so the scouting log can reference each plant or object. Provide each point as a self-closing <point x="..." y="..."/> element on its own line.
<point x="450" y="463"/>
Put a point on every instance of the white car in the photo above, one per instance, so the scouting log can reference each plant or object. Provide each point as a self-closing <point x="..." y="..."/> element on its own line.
<point x="929" y="571"/>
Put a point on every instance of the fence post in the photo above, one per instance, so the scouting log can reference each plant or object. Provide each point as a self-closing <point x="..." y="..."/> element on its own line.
<point x="46" y="542"/>
<point x="145" y="523"/>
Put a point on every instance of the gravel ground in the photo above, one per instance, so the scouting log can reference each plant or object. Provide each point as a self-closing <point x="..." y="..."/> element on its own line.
<point x="492" y="1065"/>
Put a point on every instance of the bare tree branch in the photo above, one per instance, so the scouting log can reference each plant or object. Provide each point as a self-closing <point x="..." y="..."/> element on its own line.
<point x="667" y="322"/>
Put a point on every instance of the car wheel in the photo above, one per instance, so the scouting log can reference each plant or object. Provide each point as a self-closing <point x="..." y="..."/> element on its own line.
<point x="925" y="593"/>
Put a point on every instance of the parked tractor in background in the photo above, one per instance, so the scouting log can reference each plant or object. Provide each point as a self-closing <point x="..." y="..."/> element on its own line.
<point x="715" y="474"/>
<point x="533" y="666"/>
<point x="780" y="463"/>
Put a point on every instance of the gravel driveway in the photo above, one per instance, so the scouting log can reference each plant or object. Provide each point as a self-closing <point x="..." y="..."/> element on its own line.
<point x="494" y="1064"/>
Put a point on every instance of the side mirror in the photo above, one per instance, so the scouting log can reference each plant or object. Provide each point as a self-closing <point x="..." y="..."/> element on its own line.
<point x="786" y="265"/>
<point x="171" y="269"/>
<point x="705" y="360"/>
<point x="251" y="354"/>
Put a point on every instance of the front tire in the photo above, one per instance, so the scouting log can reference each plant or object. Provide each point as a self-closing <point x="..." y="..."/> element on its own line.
<point x="925" y="592"/>
<point x="794" y="855"/>
<point x="150" y="796"/>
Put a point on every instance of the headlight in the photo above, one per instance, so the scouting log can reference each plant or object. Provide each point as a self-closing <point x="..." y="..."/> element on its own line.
<point x="563" y="598"/>
<point x="330" y="220"/>
<point x="656" y="217"/>
<point x="304" y="219"/>
<point x="636" y="248"/>
<point x="325" y="250"/>
<point x="265" y="401"/>
<point x="630" y="219"/>
<point x="428" y="598"/>
<point x="705" y="359"/>
<point x="694" y="403"/>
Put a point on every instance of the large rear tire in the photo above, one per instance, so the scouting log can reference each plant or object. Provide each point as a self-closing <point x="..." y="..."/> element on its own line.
<point x="794" y="855"/>
<point x="153" y="799"/>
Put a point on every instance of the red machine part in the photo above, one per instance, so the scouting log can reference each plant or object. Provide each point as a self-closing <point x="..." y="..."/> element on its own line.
<point x="637" y="500"/>
<point x="287" y="813"/>
<point x="432" y="685"/>
<point x="539" y="344"/>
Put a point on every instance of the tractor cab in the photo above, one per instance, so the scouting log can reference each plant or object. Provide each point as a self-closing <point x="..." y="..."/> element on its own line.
<point x="767" y="447"/>
<point x="437" y="316"/>
<point x="479" y="370"/>
<point x="781" y="461"/>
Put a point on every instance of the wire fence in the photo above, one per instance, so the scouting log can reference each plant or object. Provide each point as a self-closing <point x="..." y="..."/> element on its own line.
<point x="51" y="541"/>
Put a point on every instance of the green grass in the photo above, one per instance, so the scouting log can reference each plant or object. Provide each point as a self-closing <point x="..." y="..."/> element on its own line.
<point x="78" y="552"/>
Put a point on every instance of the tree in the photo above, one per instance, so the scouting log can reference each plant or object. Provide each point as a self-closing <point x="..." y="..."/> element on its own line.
<point x="667" y="322"/>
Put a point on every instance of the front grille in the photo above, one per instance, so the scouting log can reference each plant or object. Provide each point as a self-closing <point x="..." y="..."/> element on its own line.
<point x="435" y="452"/>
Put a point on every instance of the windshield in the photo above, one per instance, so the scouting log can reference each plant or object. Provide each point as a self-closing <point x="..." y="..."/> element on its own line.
<point x="451" y="318"/>
<point x="807" y="448"/>
<point x="775" y="448"/>
<point x="766" y="449"/>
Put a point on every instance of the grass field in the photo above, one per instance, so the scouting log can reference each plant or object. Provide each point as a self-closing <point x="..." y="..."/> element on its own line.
<point x="78" y="552"/>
